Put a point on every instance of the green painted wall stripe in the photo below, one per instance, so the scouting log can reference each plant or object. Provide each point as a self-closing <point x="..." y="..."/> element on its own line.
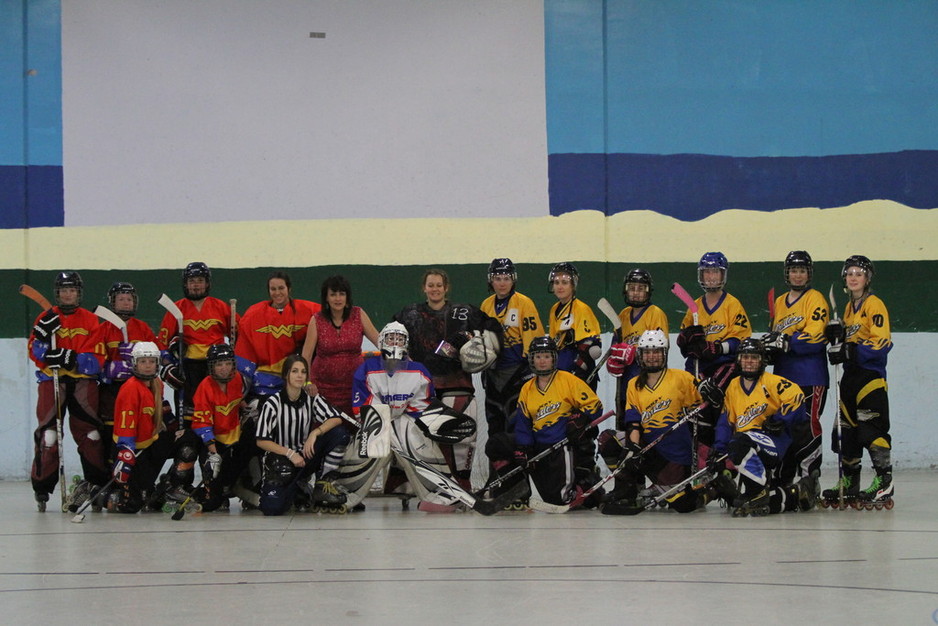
<point x="907" y="288"/>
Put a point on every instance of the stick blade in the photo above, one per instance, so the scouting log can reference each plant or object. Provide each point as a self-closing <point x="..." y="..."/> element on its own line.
<point x="609" y="311"/>
<point x="78" y="519"/>
<point x="178" y="515"/>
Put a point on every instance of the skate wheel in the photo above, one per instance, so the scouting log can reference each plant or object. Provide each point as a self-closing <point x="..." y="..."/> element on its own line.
<point x="855" y="504"/>
<point x="889" y="504"/>
<point x="65" y="508"/>
<point x="169" y="507"/>
<point x="824" y="504"/>
<point x="405" y="504"/>
<point x="869" y="506"/>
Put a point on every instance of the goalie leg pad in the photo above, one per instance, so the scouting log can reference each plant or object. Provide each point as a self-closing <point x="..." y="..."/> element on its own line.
<point x="374" y="437"/>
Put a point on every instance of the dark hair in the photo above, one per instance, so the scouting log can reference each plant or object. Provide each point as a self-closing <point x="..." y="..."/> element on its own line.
<point x="285" y="278"/>
<point x="336" y="283"/>
<point x="288" y="364"/>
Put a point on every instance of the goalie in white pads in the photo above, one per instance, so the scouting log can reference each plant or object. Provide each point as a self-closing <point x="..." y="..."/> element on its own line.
<point x="394" y="398"/>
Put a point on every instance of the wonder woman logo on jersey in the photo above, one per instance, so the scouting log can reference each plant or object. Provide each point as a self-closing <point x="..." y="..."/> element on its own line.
<point x="71" y="332"/>
<point x="200" y="324"/>
<point x="284" y="330"/>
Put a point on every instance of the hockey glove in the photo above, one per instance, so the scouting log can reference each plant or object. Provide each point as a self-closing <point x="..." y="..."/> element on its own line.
<point x="773" y="426"/>
<point x="692" y="341"/>
<point x="172" y="375"/>
<point x="835" y="332"/>
<point x="621" y="356"/>
<point x="776" y="342"/>
<point x="213" y="465"/>
<point x="521" y="456"/>
<point x="117" y="370"/>
<point x="715" y="464"/>
<point x="47" y="326"/>
<point x="61" y="358"/>
<point x="124" y="465"/>
<point x="710" y="392"/>
<point x="841" y="353"/>
<point x="711" y="350"/>
<point x="632" y="456"/>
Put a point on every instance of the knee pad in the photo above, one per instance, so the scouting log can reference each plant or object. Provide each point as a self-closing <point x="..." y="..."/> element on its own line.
<point x="610" y="444"/>
<point x="500" y="447"/>
<point x="49" y="438"/>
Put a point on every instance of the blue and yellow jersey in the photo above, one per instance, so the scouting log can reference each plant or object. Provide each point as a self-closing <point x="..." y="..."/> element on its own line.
<point x="543" y="415"/>
<point x="727" y="321"/>
<point x="867" y="325"/>
<point x="634" y="323"/>
<point x="803" y="316"/>
<point x="770" y="395"/>
<point x="657" y="408"/>
<point x="570" y="324"/>
<point x="521" y="322"/>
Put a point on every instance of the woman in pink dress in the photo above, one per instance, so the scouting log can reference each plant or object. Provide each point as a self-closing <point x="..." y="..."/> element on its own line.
<point x="335" y="336"/>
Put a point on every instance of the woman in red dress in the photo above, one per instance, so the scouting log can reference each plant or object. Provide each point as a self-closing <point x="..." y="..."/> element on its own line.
<point x="335" y="336"/>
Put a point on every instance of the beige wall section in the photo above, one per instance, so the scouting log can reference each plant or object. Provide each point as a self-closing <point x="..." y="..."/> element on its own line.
<point x="882" y="230"/>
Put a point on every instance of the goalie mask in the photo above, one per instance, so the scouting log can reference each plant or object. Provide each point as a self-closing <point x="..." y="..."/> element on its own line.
<point x="145" y="350"/>
<point x="650" y="344"/>
<point x="543" y="345"/>
<point x="749" y="350"/>
<point x="636" y="288"/>
<point x="123" y="311"/>
<point x="393" y="342"/>
<point x="67" y="280"/>
<point x="221" y="363"/>
<point x="712" y="261"/>
<point x="196" y="269"/>
<point x="799" y="259"/>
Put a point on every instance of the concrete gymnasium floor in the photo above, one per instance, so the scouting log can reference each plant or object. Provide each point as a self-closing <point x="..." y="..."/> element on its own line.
<point x="389" y="566"/>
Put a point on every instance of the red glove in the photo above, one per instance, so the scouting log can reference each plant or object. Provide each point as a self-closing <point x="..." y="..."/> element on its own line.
<point x="621" y="356"/>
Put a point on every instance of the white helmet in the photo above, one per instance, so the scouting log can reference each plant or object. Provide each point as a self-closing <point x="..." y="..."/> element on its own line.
<point x="144" y="349"/>
<point x="652" y="340"/>
<point x="392" y="341"/>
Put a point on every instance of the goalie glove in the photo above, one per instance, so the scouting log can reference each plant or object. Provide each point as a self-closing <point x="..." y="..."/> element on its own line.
<point x="445" y="425"/>
<point x="621" y="355"/>
<point x="479" y="352"/>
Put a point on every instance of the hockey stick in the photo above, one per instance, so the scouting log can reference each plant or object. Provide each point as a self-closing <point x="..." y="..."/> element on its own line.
<point x="691" y="305"/>
<point x="665" y="496"/>
<point x="771" y="298"/>
<point x="537" y="457"/>
<point x="34" y="295"/>
<point x="167" y="303"/>
<point x="110" y="316"/>
<point x="840" y="440"/>
<point x="630" y="459"/>
<point x="608" y="310"/>
<point x="233" y="325"/>
<point x="79" y="513"/>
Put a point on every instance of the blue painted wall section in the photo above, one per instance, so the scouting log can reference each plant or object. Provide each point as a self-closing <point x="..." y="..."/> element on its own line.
<point x="717" y="105"/>
<point x="31" y="180"/>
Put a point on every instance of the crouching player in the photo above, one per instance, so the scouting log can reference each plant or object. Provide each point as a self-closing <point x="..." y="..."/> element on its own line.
<point x="759" y="413"/>
<point x="296" y="430"/>
<point x="142" y="440"/>
<point x="551" y="406"/>
<point x="656" y="399"/>
<point x="401" y="419"/>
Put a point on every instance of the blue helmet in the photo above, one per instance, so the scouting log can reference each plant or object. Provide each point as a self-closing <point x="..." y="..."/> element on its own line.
<point x="712" y="261"/>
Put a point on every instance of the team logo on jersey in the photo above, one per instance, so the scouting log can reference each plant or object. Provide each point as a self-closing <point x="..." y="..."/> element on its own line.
<point x="788" y="322"/>
<point x="284" y="330"/>
<point x="657" y="406"/>
<point x="714" y="328"/>
<point x="148" y="410"/>
<point x="71" y="333"/>
<point x="852" y="330"/>
<point x="226" y="409"/>
<point x="391" y="398"/>
<point x="745" y="418"/>
<point x="545" y="411"/>
<point x="201" y="324"/>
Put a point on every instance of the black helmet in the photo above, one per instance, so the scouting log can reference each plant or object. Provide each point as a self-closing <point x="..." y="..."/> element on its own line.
<point x="637" y="275"/>
<point x="563" y="268"/>
<point x="864" y="263"/>
<point x="751" y="346"/>
<point x="544" y="343"/>
<point x="219" y="353"/>
<point x="799" y="258"/>
<point x="117" y="288"/>
<point x="502" y="267"/>
<point x="196" y="269"/>
<point x="67" y="279"/>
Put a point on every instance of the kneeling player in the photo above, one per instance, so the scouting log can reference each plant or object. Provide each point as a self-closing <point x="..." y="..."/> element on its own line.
<point x="656" y="399"/>
<point x="552" y="406"/>
<point x="755" y="429"/>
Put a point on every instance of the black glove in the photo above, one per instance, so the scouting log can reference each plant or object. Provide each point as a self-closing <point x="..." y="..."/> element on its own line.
<point x="47" y="326"/>
<point x="631" y="456"/>
<point x="692" y="341"/>
<point x="841" y="353"/>
<point x="521" y="456"/>
<point x="716" y="463"/>
<point x="835" y="332"/>
<point x="773" y="426"/>
<point x="172" y="375"/>
<point x="777" y="342"/>
<point x="61" y="358"/>
<point x="710" y="392"/>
